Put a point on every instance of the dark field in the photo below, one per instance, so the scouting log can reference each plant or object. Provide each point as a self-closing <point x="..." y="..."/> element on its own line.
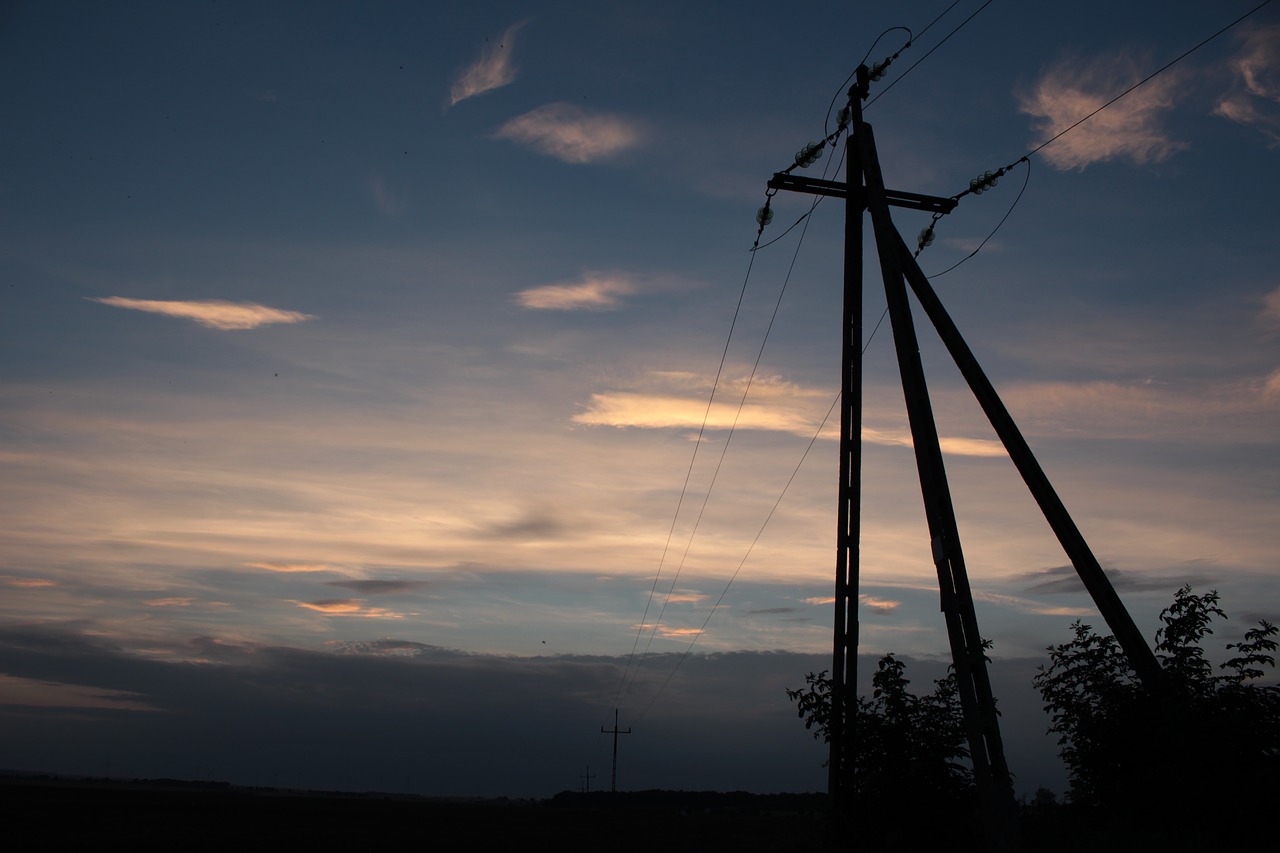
<point x="53" y="813"/>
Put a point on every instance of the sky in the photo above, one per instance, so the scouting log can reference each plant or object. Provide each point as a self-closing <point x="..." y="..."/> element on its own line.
<point x="355" y="361"/>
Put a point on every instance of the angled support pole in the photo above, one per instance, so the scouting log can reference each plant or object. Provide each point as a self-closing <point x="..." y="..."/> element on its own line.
<point x="1086" y="564"/>
<point x="986" y="749"/>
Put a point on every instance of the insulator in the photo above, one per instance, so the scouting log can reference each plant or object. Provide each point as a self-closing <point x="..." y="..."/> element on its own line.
<point x="926" y="237"/>
<point x="878" y="70"/>
<point x="764" y="216"/>
<point x="809" y="155"/>
<point x="983" y="182"/>
<point x="844" y="116"/>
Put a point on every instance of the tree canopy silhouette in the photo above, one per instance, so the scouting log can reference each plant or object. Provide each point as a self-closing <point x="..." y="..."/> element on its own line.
<point x="1210" y="738"/>
<point x="908" y="754"/>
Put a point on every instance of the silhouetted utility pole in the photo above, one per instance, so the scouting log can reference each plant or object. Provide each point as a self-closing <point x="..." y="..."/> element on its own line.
<point x="587" y="777"/>
<point x="613" y="777"/>
<point x="864" y="193"/>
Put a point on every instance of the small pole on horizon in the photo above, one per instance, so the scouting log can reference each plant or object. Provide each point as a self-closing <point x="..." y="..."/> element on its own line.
<point x="586" y="780"/>
<point x="613" y="777"/>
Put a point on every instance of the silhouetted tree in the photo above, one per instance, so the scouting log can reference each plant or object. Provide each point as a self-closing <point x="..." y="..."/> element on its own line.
<point x="909" y="756"/>
<point x="1209" y="741"/>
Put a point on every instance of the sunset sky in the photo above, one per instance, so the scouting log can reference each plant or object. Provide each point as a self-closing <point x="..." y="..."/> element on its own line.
<point x="354" y="358"/>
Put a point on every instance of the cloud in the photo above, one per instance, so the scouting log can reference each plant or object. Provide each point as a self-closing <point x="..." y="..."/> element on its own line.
<point x="595" y="292"/>
<point x="379" y="587"/>
<point x="1128" y="129"/>
<point x="1064" y="580"/>
<point x="1253" y="99"/>
<point x="292" y="567"/>
<point x="26" y="583"/>
<point x="38" y="693"/>
<point x="212" y="313"/>
<point x="568" y="133"/>
<point x="652" y="411"/>
<point x="1271" y="310"/>
<point x="1214" y="411"/>
<point x="388" y="203"/>
<point x="784" y="408"/>
<point x="879" y="606"/>
<point x="493" y="69"/>
<point x="176" y="601"/>
<point x="348" y="607"/>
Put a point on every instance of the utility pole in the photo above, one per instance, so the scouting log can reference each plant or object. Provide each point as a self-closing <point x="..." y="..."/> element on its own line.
<point x="613" y="777"/>
<point x="864" y="192"/>
<point x="586" y="779"/>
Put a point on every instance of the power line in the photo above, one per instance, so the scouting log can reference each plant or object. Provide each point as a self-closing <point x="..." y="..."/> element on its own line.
<point x="1146" y="79"/>
<point x="945" y="39"/>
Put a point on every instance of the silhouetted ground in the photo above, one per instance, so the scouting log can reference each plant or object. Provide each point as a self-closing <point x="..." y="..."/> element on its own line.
<point x="154" y="814"/>
<point x="169" y="814"/>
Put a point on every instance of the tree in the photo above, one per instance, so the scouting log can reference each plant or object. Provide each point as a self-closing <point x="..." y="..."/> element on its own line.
<point x="908" y="754"/>
<point x="1205" y="739"/>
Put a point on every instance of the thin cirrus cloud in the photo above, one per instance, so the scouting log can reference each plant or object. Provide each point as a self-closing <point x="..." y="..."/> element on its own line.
<point x="593" y="293"/>
<point x="493" y="69"/>
<point x="211" y="313"/>
<point x="783" y="414"/>
<point x="568" y="133"/>
<point x="1254" y="98"/>
<point x="1130" y="129"/>
<point x="348" y="607"/>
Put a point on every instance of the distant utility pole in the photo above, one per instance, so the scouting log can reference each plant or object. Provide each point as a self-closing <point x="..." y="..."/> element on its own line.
<point x="586" y="779"/>
<point x="613" y="777"/>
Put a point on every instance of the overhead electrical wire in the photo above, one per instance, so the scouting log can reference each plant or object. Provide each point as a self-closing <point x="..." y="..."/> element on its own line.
<point x="733" y="426"/>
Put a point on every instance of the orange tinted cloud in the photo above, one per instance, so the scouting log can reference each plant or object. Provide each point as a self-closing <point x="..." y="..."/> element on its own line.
<point x="567" y="133"/>
<point x="594" y="292"/>
<point x="211" y="313"/>
<point x="1131" y="128"/>
<point x="493" y="69"/>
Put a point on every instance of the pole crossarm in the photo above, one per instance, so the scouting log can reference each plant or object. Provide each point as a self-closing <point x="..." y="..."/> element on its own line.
<point x="839" y="189"/>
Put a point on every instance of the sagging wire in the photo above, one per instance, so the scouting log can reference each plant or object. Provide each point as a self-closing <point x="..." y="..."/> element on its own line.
<point x="977" y="186"/>
<point x="732" y="429"/>
<point x="1026" y="180"/>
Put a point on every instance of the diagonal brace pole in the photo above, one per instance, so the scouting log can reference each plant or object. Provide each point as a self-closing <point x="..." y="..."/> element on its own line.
<point x="1086" y="564"/>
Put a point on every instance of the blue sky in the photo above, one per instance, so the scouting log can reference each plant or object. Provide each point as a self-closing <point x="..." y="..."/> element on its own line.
<point x="380" y="336"/>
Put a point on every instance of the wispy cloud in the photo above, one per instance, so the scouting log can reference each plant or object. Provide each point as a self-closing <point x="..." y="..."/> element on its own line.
<point x="493" y="69"/>
<point x="1254" y="98"/>
<point x="379" y="587"/>
<point x="211" y="313"/>
<point x="352" y="607"/>
<point x="1131" y="128"/>
<point x="1271" y="310"/>
<point x="651" y="411"/>
<point x="26" y="583"/>
<point x="595" y="292"/>
<point x="677" y="400"/>
<point x="568" y="133"/>
<point x="293" y="567"/>
<point x="879" y="606"/>
<point x="389" y="204"/>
